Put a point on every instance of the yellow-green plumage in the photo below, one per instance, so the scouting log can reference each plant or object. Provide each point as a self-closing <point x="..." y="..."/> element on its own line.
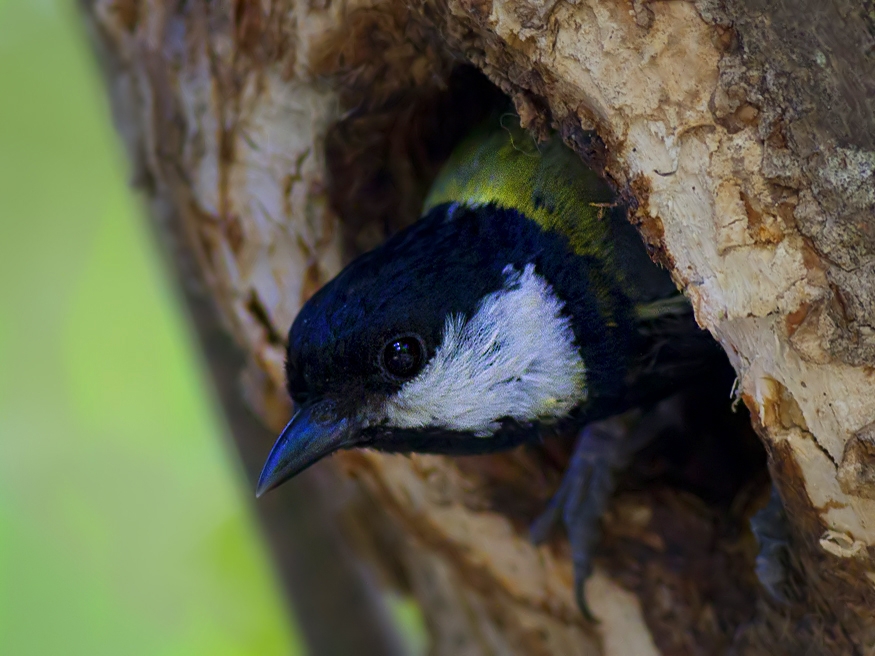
<point x="546" y="182"/>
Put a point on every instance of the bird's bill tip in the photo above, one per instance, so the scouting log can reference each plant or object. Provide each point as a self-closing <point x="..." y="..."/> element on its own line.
<point x="313" y="433"/>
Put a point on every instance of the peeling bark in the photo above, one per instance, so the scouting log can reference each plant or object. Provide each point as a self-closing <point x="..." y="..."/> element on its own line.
<point x="289" y="136"/>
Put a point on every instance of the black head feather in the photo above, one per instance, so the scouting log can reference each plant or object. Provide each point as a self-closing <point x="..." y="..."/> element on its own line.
<point x="443" y="265"/>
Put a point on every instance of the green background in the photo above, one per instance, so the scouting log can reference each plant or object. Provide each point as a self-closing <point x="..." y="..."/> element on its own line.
<point x="125" y="523"/>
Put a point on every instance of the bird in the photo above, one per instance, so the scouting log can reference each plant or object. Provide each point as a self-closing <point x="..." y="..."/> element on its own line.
<point x="522" y="303"/>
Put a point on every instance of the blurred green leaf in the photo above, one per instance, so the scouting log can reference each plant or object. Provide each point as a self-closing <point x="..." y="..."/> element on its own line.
<point x="125" y="526"/>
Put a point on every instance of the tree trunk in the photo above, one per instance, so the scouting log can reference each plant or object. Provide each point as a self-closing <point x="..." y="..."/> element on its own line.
<point x="285" y="137"/>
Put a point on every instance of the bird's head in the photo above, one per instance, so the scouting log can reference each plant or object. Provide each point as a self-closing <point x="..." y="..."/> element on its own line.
<point x="438" y="341"/>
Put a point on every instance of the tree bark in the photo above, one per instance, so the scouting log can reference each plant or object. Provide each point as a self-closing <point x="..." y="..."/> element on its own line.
<point x="288" y="136"/>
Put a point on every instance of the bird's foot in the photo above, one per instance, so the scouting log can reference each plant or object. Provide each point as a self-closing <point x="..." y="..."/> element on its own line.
<point x="769" y="526"/>
<point x="603" y="448"/>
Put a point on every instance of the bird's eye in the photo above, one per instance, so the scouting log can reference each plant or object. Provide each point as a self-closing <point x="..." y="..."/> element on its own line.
<point x="402" y="357"/>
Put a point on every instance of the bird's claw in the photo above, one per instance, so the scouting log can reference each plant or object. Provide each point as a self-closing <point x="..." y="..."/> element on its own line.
<point x="769" y="526"/>
<point x="603" y="448"/>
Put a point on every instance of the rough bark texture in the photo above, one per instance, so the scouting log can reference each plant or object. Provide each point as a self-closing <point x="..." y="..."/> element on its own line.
<point x="288" y="136"/>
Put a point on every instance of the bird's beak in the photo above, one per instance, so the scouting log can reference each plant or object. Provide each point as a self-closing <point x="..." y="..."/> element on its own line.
<point x="314" y="432"/>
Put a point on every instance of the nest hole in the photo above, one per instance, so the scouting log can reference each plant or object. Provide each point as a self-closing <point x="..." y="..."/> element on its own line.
<point x="699" y="482"/>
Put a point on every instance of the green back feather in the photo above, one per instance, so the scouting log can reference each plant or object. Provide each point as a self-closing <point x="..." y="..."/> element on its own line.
<point x="547" y="182"/>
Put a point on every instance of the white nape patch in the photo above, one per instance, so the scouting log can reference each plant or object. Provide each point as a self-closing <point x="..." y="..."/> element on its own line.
<point x="515" y="357"/>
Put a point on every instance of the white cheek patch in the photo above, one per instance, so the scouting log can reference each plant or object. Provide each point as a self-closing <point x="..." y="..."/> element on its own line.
<point x="515" y="357"/>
